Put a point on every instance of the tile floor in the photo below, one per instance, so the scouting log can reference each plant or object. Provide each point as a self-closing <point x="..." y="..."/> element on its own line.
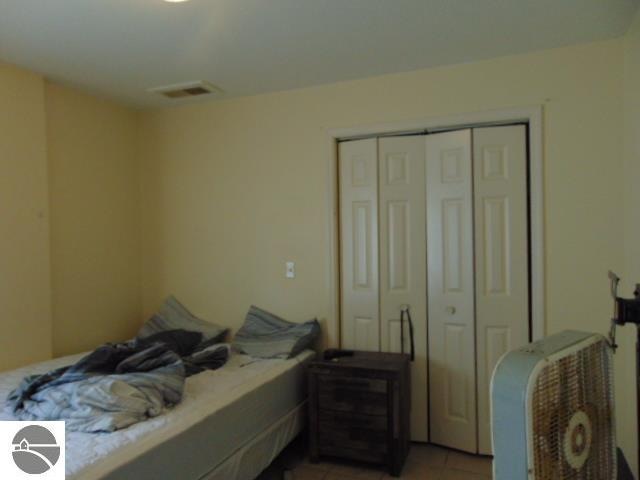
<point x="425" y="462"/>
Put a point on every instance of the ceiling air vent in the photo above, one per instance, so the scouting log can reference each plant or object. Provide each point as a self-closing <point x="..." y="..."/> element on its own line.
<point x="187" y="90"/>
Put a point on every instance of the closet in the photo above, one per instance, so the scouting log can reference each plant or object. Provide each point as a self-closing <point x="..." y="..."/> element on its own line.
<point x="438" y="224"/>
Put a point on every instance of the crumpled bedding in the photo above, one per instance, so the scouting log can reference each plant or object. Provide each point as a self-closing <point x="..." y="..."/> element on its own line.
<point x="113" y="387"/>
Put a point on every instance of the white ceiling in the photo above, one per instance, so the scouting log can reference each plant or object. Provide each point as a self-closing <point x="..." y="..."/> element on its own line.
<point x="121" y="48"/>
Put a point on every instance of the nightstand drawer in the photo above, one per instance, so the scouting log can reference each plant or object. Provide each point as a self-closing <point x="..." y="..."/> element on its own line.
<point x="352" y="401"/>
<point x="353" y="438"/>
<point x="335" y="382"/>
<point x="348" y="394"/>
<point x="337" y="420"/>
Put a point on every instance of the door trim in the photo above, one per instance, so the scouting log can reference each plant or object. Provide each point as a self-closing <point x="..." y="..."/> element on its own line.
<point x="533" y="115"/>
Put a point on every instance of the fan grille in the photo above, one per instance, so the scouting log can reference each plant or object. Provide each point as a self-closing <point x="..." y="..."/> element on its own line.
<point x="573" y="417"/>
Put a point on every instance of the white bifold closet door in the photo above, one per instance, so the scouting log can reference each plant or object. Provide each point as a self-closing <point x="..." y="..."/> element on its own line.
<point x="403" y="263"/>
<point x="438" y="223"/>
<point x="501" y="245"/>
<point x="384" y="269"/>
<point x="452" y="378"/>
<point x="360" y="321"/>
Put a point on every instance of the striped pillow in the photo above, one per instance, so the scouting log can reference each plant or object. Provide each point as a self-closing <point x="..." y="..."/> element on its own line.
<point x="174" y="316"/>
<point x="265" y="335"/>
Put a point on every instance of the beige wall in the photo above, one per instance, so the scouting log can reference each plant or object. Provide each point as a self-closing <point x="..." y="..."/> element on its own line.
<point x="94" y="191"/>
<point x="25" y="326"/>
<point x="630" y="210"/>
<point x="232" y="189"/>
<point x="69" y="220"/>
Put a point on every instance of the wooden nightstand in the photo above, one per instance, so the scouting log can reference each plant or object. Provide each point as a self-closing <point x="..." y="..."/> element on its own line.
<point x="359" y="408"/>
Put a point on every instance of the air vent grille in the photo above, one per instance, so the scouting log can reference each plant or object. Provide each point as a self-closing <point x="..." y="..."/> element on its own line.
<point x="187" y="90"/>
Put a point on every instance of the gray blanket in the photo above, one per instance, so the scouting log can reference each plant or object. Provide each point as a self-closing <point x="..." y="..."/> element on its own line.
<point x="114" y="387"/>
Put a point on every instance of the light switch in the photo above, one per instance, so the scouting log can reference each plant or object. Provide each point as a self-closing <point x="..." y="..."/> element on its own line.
<point x="291" y="269"/>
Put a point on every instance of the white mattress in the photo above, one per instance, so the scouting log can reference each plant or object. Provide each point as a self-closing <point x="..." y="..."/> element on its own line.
<point x="228" y="407"/>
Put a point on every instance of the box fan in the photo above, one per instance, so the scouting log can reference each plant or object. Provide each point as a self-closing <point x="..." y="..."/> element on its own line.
<point x="552" y="410"/>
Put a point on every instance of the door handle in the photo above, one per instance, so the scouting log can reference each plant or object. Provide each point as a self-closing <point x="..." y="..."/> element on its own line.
<point x="451" y="310"/>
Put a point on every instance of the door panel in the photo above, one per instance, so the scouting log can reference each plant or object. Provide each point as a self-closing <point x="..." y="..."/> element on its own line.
<point x="403" y="260"/>
<point x="502" y="290"/>
<point x="360" y="322"/>
<point x="452" y="380"/>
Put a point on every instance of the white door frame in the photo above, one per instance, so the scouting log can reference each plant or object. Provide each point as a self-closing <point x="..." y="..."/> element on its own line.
<point x="531" y="114"/>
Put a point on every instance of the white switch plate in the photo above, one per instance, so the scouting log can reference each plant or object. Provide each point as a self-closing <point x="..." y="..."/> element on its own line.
<point x="291" y="270"/>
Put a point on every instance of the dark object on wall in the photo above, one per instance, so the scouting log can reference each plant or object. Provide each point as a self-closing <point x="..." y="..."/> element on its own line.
<point x="625" y="311"/>
<point x="359" y="408"/>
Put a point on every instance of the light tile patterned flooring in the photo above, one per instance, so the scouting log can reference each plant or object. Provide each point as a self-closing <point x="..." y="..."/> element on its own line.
<point x="425" y="462"/>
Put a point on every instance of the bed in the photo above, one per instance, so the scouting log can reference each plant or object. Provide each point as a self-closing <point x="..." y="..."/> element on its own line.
<point x="230" y="425"/>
